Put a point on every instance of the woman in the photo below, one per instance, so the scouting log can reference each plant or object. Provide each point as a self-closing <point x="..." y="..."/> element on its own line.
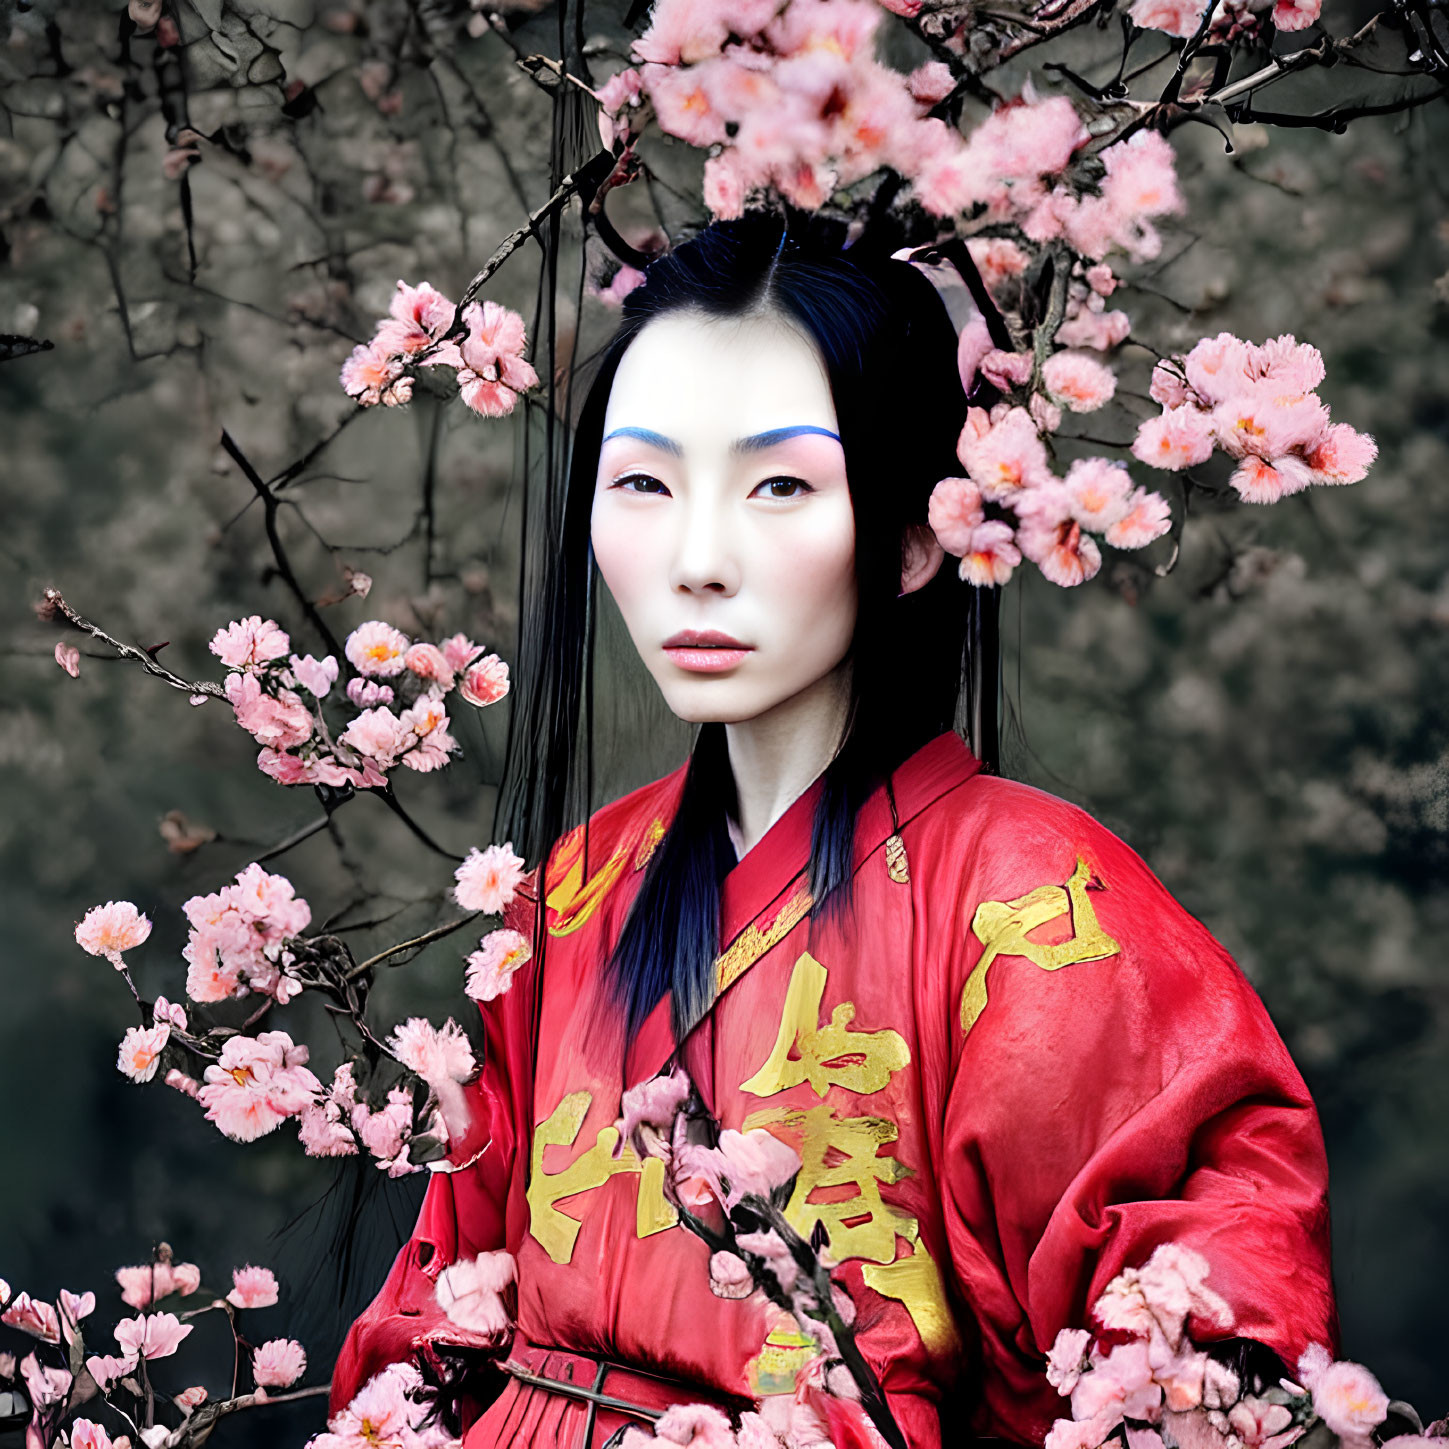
<point x="1010" y="1063"/>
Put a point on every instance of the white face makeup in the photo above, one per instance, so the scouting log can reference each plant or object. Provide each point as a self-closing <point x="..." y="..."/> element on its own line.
<point x="722" y="523"/>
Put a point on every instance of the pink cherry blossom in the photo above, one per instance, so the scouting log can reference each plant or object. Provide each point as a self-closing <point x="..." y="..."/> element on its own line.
<point x="376" y="649"/>
<point x="459" y="651"/>
<point x="1069" y="1434"/>
<point x="278" y="1363"/>
<point x="729" y="1276"/>
<point x="258" y="1083"/>
<point x="999" y="260"/>
<point x="74" y="1307"/>
<point x="385" y="1411"/>
<point x="151" y="1335"/>
<point x="1347" y="1397"/>
<point x="1100" y="331"/>
<point x="1006" y="370"/>
<point x="1343" y="455"/>
<point x="68" y="657"/>
<point x="372" y="375"/>
<point x="378" y="734"/>
<point x="488" y="879"/>
<point x="1269" y="423"/>
<point x="427" y="661"/>
<point x="150" y="1282"/>
<point x="931" y="82"/>
<point x="45" y="1385"/>
<point x="182" y="1083"/>
<point x="700" y="1426"/>
<point x="1168" y="386"/>
<point x="486" y="396"/>
<point x="252" y="1287"/>
<point x="991" y="556"/>
<point x="424" y="728"/>
<point x="1006" y="458"/>
<point x="1100" y="492"/>
<point x="682" y="32"/>
<point x="31" y="1315"/>
<point x="110" y="929"/>
<point x="1062" y="551"/>
<point x="422" y="314"/>
<point x="365" y="693"/>
<point x="250" y="643"/>
<point x="1148" y="517"/>
<point x="1177" y="438"/>
<point x="1219" y="367"/>
<point x="954" y="513"/>
<point x="385" y="1133"/>
<point x="494" y="331"/>
<point x="1259" y="481"/>
<point x="775" y="1253"/>
<point x="87" y="1434"/>
<point x="1260" y="1424"/>
<point x="316" y="676"/>
<point x="472" y="1294"/>
<point x="1067" y="1359"/>
<point x="1296" y="14"/>
<point x="1078" y="382"/>
<point x="743" y="1164"/>
<point x="140" y="1051"/>
<point x="1120" y="1384"/>
<point x="105" y="1369"/>
<point x="278" y="720"/>
<point x="649" y="1109"/>
<point x="486" y="682"/>
<point x="322" y="1125"/>
<point x="169" y="1012"/>
<point x="1175" y="17"/>
<point x="1141" y="179"/>
<point x="188" y="1399"/>
<point x="436" y="1055"/>
<point x="491" y="967"/>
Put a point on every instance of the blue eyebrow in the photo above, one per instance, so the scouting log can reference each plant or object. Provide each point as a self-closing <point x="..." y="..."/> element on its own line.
<point x="761" y="441"/>
<point x="646" y="435"/>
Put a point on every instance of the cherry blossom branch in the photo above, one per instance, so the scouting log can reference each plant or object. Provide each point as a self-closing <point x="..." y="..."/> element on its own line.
<point x="146" y="658"/>
<point x="436" y="934"/>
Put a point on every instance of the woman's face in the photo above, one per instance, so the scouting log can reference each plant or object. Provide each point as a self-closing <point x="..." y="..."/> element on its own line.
<point x="722" y="522"/>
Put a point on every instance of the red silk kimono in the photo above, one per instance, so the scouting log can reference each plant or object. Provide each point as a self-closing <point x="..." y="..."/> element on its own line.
<point x="1014" y="1067"/>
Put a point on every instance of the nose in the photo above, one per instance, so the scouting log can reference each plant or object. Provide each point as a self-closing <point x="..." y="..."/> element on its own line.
<point x="705" y="559"/>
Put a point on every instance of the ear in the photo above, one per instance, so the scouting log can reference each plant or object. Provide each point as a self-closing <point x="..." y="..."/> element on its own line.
<point x="921" y="556"/>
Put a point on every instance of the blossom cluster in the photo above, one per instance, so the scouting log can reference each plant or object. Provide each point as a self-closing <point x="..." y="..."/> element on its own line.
<point x="60" y="1375"/>
<point x="395" y="1408"/>
<point x="397" y="697"/>
<point x="239" y="938"/>
<point x="1053" y="521"/>
<point x="1139" y="1372"/>
<point x="247" y="938"/>
<point x="1232" y="20"/>
<point x="492" y="372"/>
<point x="1257" y="403"/>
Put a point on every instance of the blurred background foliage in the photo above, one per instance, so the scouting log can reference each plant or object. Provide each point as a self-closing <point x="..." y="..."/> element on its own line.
<point x="1268" y="724"/>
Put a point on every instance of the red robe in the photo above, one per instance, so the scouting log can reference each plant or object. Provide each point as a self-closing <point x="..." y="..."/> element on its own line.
<point x="1013" y="1068"/>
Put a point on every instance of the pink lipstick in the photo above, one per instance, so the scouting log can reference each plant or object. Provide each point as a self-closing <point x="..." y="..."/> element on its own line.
<point x="705" y="651"/>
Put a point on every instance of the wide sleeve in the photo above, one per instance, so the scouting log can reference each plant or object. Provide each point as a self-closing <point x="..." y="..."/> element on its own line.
<point x="469" y="1210"/>
<point x="1117" y="1084"/>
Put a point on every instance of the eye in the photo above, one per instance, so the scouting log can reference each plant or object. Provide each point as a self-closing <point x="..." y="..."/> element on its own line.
<point x="641" y="483"/>
<point x="784" y="488"/>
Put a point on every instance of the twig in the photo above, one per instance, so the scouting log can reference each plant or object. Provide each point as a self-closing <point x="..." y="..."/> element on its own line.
<point x="436" y="934"/>
<point x="279" y="553"/>
<point x="127" y="651"/>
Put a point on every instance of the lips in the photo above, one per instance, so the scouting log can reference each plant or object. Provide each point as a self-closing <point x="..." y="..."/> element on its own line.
<point x="705" y="651"/>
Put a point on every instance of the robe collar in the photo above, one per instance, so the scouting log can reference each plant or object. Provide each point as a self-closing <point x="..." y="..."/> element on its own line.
<point x="767" y="893"/>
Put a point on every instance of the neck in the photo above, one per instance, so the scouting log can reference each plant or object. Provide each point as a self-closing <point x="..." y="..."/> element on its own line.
<point x="778" y="755"/>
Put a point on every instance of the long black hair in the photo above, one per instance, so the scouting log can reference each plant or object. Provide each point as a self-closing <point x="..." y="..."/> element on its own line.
<point x="889" y="350"/>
